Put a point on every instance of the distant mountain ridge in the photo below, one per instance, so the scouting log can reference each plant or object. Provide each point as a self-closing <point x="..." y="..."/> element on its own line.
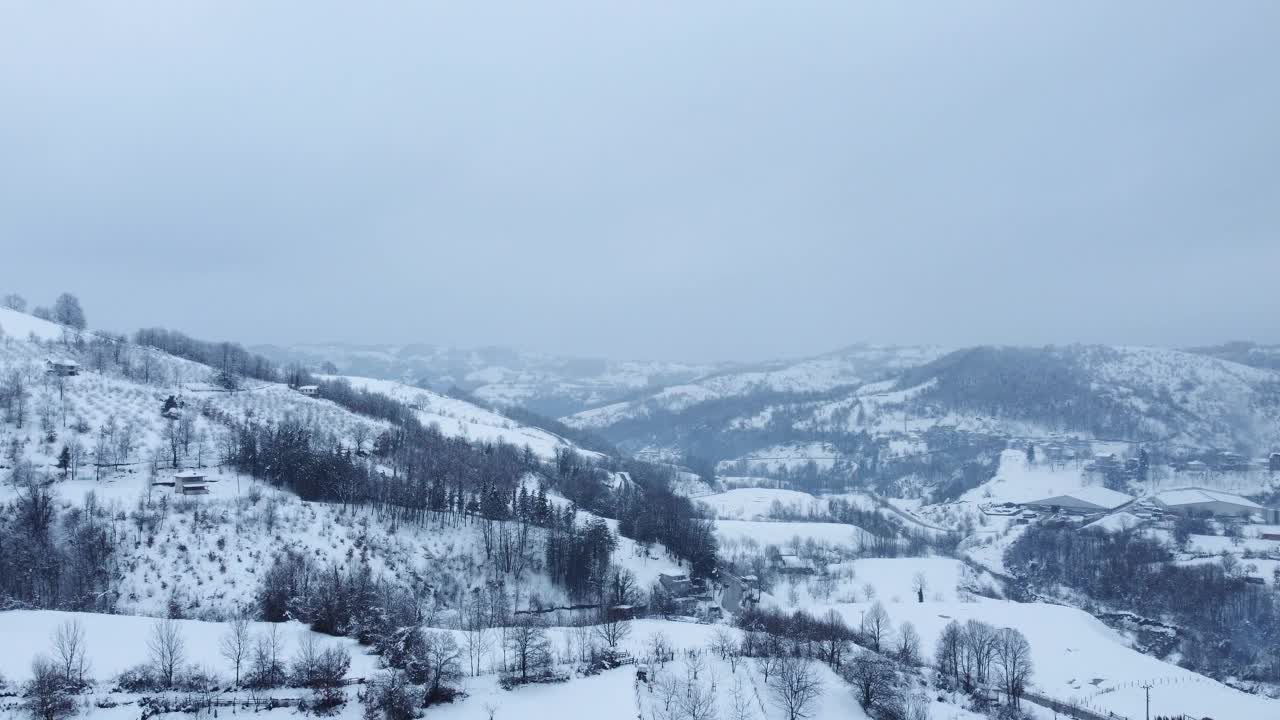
<point x="880" y="412"/>
<point x="548" y="384"/>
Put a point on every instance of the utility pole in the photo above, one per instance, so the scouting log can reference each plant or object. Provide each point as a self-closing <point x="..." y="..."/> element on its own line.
<point x="1147" y="687"/>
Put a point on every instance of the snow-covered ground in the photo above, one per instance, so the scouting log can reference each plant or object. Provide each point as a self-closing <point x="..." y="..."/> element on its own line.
<point x="1018" y="481"/>
<point x="463" y="419"/>
<point x="1076" y="656"/>
<point x="116" y="643"/>
<point x="755" y="503"/>
<point x="788" y="533"/>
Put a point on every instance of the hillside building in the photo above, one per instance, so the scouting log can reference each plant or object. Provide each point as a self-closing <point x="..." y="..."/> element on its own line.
<point x="677" y="586"/>
<point x="309" y="390"/>
<point x="1082" y="500"/>
<point x="787" y="564"/>
<point x="62" y="367"/>
<point x="190" y="482"/>
<point x="1203" y="502"/>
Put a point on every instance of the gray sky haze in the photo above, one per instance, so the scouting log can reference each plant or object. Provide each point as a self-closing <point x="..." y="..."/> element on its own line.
<point x="715" y="180"/>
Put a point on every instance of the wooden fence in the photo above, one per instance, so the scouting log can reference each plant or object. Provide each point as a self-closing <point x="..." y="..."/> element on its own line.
<point x="1069" y="710"/>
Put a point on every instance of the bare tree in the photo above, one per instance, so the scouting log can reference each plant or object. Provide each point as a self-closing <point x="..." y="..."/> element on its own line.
<point x="47" y="696"/>
<point x="694" y="664"/>
<point x="739" y="703"/>
<point x="1013" y="661"/>
<point x="948" y="650"/>
<point x="872" y="677"/>
<point x="876" y="628"/>
<point x="530" y="650"/>
<point x="920" y="585"/>
<point x="444" y="659"/>
<point x="268" y="667"/>
<point x="977" y="651"/>
<point x="668" y="690"/>
<point x="908" y="646"/>
<point x="234" y="644"/>
<point x="767" y="664"/>
<point x="168" y="649"/>
<point x="613" y="628"/>
<point x="69" y="652"/>
<point x="795" y="687"/>
<point x="659" y="648"/>
<point x="725" y="645"/>
<point x="14" y="301"/>
<point x="698" y="702"/>
<point x="67" y="310"/>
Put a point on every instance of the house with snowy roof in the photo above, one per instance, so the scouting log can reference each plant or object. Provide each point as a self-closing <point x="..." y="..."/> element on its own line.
<point x="1203" y="502"/>
<point x="62" y="367"/>
<point x="1082" y="500"/>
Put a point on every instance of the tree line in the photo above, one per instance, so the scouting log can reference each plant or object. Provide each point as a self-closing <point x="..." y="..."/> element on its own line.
<point x="1227" y="625"/>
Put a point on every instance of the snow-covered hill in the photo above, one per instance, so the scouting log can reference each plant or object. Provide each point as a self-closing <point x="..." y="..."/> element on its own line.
<point x="548" y="384"/>
<point x="852" y="366"/>
<point x="460" y="418"/>
<point x="908" y="415"/>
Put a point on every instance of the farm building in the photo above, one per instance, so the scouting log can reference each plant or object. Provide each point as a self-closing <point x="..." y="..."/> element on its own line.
<point x="1086" y="499"/>
<point x="309" y="390"/>
<point x="1200" y="501"/>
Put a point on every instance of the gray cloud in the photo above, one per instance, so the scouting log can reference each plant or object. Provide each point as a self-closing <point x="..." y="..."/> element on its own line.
<point x="654" y="180"/>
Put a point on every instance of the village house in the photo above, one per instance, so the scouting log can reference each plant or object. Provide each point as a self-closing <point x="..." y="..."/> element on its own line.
<point x="187" y="482"/>
<point x="677" y="586"/>
<point x="309" y="390"/>
<point x="788" y="564"/>
<point x="62" y="367"/>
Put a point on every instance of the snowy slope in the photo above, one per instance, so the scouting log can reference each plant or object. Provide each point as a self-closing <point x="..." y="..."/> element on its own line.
<point x="116" y="643"/>
<point x="463" y="419"/>
<point x="1017" y="481"/>
<point x="850" y="367"/>
<point x="548" y="384"/>
<point x="21" y="326"/>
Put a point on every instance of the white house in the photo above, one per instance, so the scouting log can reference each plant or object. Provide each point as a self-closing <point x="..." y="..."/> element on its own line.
<point x="309" y="390"/>
<point x="1202" y="501"/>
<point x="1086" y="499"/>
<point x="190" y="482"/>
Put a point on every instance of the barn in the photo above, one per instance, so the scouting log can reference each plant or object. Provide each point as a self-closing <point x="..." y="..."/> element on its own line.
<point x="1207" y="503"/>
<point x="1083" y="500"/>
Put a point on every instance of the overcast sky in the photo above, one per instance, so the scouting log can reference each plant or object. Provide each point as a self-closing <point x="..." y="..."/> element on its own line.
<point x="658" y="180"/>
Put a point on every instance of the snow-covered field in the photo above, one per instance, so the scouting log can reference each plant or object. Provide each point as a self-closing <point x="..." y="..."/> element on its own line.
<point x="755" y="503"/>
<point x="1018" y="481"/>
<point x="789" y="533"/>
<point x="116" y="643"/>
<point x="1076" y="656"/>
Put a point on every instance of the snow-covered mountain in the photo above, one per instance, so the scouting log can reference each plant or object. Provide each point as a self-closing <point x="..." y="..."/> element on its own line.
<point x="886" y="412"/>
<point x="850" y="367"/>
<point x="459" y="418"/>
<point x="548" y="384"/>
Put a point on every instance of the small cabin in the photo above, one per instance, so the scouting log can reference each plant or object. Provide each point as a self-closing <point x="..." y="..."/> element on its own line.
<point x="62" y="368"/>
<point x="309" y="390"/>
<point x="190" y="482"/>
